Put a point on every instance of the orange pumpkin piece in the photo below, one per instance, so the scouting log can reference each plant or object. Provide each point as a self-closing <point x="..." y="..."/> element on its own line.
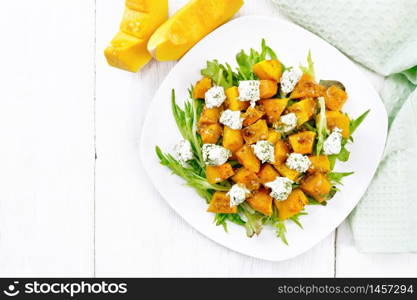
<point x="248" y="178"/>
<point x="220" y="204"/>
<point x="268" y="69"/>
<point x="232" y="101"/>
<point x="292" y="205"/>
<point x="273" y="136"/>
<point x="307" y="88"/>
<point x="287" y="172"/>
<point x="255" y="132"/>
<point x="281" y="152"/>
<point x="210" y="133"/>
<point x="248" y="159"/>
<point x="252" y="115"/>
<point x="303" y="142"/>
<point x="317" y="186"/>
<point x="216" y="174"/>
<point x="261" y="201"/>
<point x="267" y="89"/>
<point x="339" y="120"/>
<point x="274" y="108"/>
<point x="232" y="139"/>
<point x="201" y="87"/>
<point x="303" y="109"/>
<point x="267" y="174"/>
<point x="335" y="98"/>
<point x="319" y="163"/>
<point x="210" y="116"/>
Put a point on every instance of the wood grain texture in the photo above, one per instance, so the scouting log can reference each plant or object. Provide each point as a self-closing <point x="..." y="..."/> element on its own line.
<point x="47" y="138"/>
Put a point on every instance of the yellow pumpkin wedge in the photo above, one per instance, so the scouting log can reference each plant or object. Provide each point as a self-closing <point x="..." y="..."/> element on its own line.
<point x="248" y="159"/>
<point x="267" y="174"/>
<point x="201" y="87"/>
<point x="274" y="108"/>
<point x="268" y="70"/>
<point x="232" y="101"/>
<point x="261" y="201"/>
<point x="317" y="186"/>
<point x="248" y="178"/>
<point x="292" y="205"/>
<point x="189" y="25"/>
<point x="128" y="49"/>
<point x="255" y="132"/>
<point x="216" y="174"/>
<point x="302" y="142"/>
<point x="232" y="139"/>
<point x="220" y="203"/>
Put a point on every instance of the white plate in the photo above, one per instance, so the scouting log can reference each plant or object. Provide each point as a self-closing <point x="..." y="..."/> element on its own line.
<point x="291" y="43"/>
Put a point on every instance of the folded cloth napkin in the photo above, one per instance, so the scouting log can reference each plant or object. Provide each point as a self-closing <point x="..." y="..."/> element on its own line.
<point x="382" y="36"/>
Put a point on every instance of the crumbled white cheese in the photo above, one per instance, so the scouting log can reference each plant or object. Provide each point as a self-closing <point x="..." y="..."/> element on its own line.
<point x="264" y="150"/>
<point x="281" y="188"/>
<point x="215" y="97"/>
<point x="231" y="119"/>
<point x="183" y="152"/>
<point x="289" y="79"/>
<point x="298" y="162"/>
<point x="249" y="90"/>
<point x="237" y="194"/>
<point x="214" y="155"/>
<point x="333" y="143"/>
<point x="287" y="123"/>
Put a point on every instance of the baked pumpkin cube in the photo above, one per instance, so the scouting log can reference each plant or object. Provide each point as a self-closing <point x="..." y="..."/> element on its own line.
<point x="335" y="98"/>
<point x="267" y="174"/>
<point x="292" y="205"/>
<point x="232" y="101"/>
<point x="247" y="178"/>
<point x="268" y="89"/>
<point x="268" y="69"/>
<point x="209" y="116"/>
<point x="317" y="186"/>
<point x="281" y="151"/>
<point x="274" y="108"/>
<point x="302" y="142"/>
<point x="232" y="139"/>
<point x="306" y="87"/>
<point x="216" y="174"/>
<point x="248" y="159"/>
<point x="261" y="201"/>
<point x="339" y="120"/>
<point x="255" y="132"/>
<point x="201" y="87"/>
<point x="252" y="114"/>
<point x="220" y="204"/>
<point x="319" y="163"/>
<point x="210" y="133"/>
<point x="273" y="136"/>
<point x="287" y="172"/>
<point x="304" y="110"/>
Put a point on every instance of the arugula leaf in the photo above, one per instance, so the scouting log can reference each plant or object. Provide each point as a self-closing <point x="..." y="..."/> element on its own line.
<point x="253" y="223"/>
<point x="221" y="219"/>
<point x="309" y="69"/>
<point x="354" y="124"/>
<point x="343" y="155"/>
<point x="322" y="126"/>
<point x="296" y="217"/>
<point x="336" y="177"/>
<point x="222" y="75"/>
<point x="281" y="231"/>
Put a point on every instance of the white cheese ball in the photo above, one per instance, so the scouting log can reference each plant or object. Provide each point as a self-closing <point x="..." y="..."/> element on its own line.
<point x="237" y="194"/>
<point x="215" y="155"/>
<point x="289" y="79"/>
<point x="287" y="122"/>
<point x="249" y="90"/>
<point x="183" y="151"/>
<point x="333" y="143"/>
<point x="298" y="162"/>
<point x="264" y="151"/>
<point x="281" y="188"/>
<point x="215" y="97"/>
<point x="231" y="119"/>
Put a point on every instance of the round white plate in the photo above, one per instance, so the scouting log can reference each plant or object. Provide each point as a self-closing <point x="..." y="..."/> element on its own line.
<point x="291" y="43"/>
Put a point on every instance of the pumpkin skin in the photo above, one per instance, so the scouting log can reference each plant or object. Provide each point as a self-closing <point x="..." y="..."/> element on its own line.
<point x="304" y="110"/>
<point x="292" y="205"/>
<point x="274" y="108"/>
<point x="201" y="87"/>
<point x="210" y="133"/>
<point x="252" y="114"/>
<point x="287" y="172"/>
<point x="255" y="132"/>
<point x="281" y="152"/>
<point x="248" y="159"/>
<point x="261" y="201"/>
<point x="303" y="142"/>
<point x="216" y="174"/>
<point x="317" y="186"/>
<point x="339" y="120"/>
<point x="307" y="88"/>
<point x="268" y="70"/>
<point x="267" y="174"/>
<point x="335" y="98"/>
<point x="273" y="136"/>
<point x="268" y="89"/>
<point x="232" y="101"/>
<point x="220" y="203"/>
<point x="232" y="139"/>
<point x="248" y="178"/>
<point x="319" y="163"/>
<point x="209" y="116"/>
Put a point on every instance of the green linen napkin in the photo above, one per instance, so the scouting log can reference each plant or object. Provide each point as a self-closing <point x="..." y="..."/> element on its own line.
<point x="382" y="36"/>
